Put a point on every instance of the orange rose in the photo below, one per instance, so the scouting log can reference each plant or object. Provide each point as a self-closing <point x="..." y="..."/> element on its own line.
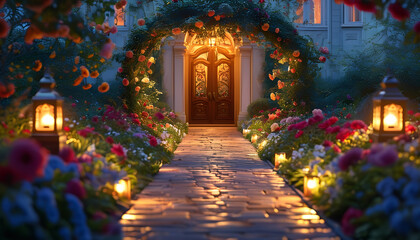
<point x="104" y="87"/>
<point x="94" y="74"/>
<point x="176" y="31"/>
<point x="296" y="53"/>
<point x="265" y="27"/>
<point x="211" y="13"/>
<point x="199" y="24"/>
<point x="85" y="71"/>
<point x="78" y="81"/>
<point x="87" y="86"/>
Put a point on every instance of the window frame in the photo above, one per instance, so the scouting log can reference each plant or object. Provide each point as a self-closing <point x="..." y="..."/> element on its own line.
<point x="316" y="26"/>
<point x="125" y="18"/>
<point x="346" y="23"/>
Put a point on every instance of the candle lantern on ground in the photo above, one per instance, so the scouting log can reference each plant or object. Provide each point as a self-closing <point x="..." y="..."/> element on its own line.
<point x="254" y="138"/>
<point x="279" y="158"/>
<point x="47" y="113"/>
<point x="123" y="188"/>
<point x="389" y="111"/>
<point x="310" y="185"/>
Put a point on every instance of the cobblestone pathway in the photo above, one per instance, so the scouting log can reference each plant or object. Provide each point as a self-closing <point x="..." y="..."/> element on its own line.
<point x="217" y="188"/>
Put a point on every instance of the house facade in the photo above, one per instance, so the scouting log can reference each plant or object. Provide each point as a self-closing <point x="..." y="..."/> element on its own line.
<point x="229" y="73"/>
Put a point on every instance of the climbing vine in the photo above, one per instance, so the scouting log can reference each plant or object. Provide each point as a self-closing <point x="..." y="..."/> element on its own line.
<point x="293" y="58"/>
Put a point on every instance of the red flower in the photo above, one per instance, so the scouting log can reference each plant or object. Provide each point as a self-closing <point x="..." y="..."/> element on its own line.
<point x="120" y="70"/>
<point x="150" y="125"/>
<point x="136" y="121"/>
<point x="410" y="112"/>
<point x="86" y="131"/>
<point x="4" y="28"/>
<point x="327" y="143"/>
<point x="348" y="116"/>
<point x="344" y="134"/>
<point x="6" y="89"/>
<point x="349" y="3"/>
<point x="336" y="149"/>
<point x="331" y="130"/>
<point x="118" y="150"/>
<point x="358" y="124"/>
<point x="125" y="82"/>
<point x="322" y="59"/>
<point x="95" y="119"/>
<point x="144" y="114"/>
<point x="129" y="54"/>
<point x="76" y="188"/>
<point x="66" y="129"/>
<point x="109" y="140"/>
<point x="410" y="129"/>
<point x="8" y="175"/>
<point x="366" y="5"/>
<point x="28" y="159"/>
<point x="152" y="141"/>
<point x="350" y="158"/>
<point x="382" y="156"/>
<point x="159" y="116"/>
<point x="67" y="154"/>
<point x="346" y="221"/>
<point x="398" y="12"/>
<point x="298" y="134"/>
<point x="26" y="131"/>
<point x="38" y="6"/>
<point x="301" y="125"/>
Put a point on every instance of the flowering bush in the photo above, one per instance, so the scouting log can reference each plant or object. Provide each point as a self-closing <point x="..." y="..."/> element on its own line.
<point x="371" y="189"/>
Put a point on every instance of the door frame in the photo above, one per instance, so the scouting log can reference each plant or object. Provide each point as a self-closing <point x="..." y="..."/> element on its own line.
<point x="190" y="83"/>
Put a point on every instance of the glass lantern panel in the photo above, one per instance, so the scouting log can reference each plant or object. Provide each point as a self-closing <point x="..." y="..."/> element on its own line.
<point x="59" y="118"/>
<point x="377" y="118"/>
<point x="44" y="118"/>
<point x="393" y="117"/>
<point x="200" y="77"/>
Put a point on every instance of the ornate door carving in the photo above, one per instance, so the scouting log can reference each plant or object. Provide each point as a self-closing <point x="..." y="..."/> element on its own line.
<point x="211" y="94"/>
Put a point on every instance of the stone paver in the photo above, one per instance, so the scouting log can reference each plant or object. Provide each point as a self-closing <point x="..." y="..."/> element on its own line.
<point x="217" y="188"/>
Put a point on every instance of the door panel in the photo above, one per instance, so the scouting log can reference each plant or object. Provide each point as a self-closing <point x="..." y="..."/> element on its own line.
<point x="212" y="87"/>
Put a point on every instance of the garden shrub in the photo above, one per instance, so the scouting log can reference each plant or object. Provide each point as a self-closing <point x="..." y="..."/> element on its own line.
<point x="261" y="104"/>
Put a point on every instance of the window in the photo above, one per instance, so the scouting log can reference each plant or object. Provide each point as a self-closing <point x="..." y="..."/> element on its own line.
<point x="309" y="12"/>
<point x="352" y="15"/>
<point x="119" y="18"/>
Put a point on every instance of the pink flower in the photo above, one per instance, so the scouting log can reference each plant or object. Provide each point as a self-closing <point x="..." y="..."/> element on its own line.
<point x="8" y="175"/>
<point x="118" y="150"/>
<point x="85" y="158"/>
<point x="327" y="143"/>
<point x="398" y="12"/>
<point x="159" y="116"/>
<point x="129" y="54"/>
<point x="348" y="217"/>
<point x="348" y="116"/>
<point x="301" y="125"/>
<point x="274" y="127"/>
<point x="382" y="156"/>
<point x="298" y="134"/>
<point x="67" y="154"/>
<point x="86" y="131"/>
<point x="350" y="158"/>
<point x="317" y="112"/>
<point x="120" y="70"/>
<point x="95" y="119"/>
<point x="107" y="49"/>
<point x="336" y="149"/>
<point x="343" y="134"/>
<point x="152" y="141"/>
<point x="76" y="188"/>
<point x="109" y="140"/>
<point x="331" y="121"/>
<point x="331" y="130"/>
<point x="27" y="159"/>
<point x="4" y="28"/>
<point x="324" y="50"/>
<point x="358" y="124"/>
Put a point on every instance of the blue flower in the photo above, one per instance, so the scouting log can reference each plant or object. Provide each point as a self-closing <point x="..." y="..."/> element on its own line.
<point x="401" y="182"/>
<point x="374" y="210"/>
<point x="73" y="168"/>
<point x="412" y="172"/>
<point x="366" y="167"/>
<point x="48" y="175"/>
<point x="386" y="186"/>
<point x="65" y="233"/>
<point x="78" y="217"/>
<point x="390" y="204"/>
<point x="411" y="192"/>
<point x="45" y="201"/>
<point x="19" y="210"/>
<point x="55" y="162"/>
<point x="400" y="223"/>
<point x="415" y="216"/>
<point x="359" y="195"/>
<point x="27" y="188"/>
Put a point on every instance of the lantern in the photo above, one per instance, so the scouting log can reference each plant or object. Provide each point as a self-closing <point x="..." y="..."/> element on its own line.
<point x="123" y="188"/>
<point x="310" y="185"/>
<point x="279" y="158"/>
<point x="47" y="113"/>
<point x="245" y="132"/>
<point x="254" y="138"/>
<point x="389" y="111"/>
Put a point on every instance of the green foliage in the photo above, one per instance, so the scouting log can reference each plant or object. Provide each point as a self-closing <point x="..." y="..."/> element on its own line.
<point x="261" y="104"/>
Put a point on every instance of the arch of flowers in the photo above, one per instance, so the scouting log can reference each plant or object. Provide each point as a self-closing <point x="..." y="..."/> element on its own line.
<point x="290" y="67"/>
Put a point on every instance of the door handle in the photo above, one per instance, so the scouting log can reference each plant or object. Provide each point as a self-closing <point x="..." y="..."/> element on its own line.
<point x="209" y="96"/>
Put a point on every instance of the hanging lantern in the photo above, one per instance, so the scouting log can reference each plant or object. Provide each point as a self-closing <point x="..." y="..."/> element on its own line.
<point x="123" y="188"/>
<point x="245" y="132"/>
<point x="47" y="113"/>
<point x="310" y="185"/>
<point x="389" y="111"/>
<point x="279" y="158"/>
<point x="254" y="138"/>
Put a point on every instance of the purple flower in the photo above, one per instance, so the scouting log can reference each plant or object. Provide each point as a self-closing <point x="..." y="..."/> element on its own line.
<point x="382" y="155"/>
<point x="350" y="158"/>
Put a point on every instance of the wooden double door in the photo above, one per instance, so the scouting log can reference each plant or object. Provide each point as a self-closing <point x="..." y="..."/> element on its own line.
<point x="211" y="87"/>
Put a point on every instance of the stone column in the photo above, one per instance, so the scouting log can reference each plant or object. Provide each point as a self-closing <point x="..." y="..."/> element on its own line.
<point x="245" y="79"/>
<point x="168" y="70"/>
<point x="258" y="60"/>
<point x="179" y="51"/>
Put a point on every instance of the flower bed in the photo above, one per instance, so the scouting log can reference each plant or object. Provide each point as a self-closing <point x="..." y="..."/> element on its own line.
<point x="372" y="189"/>
<point x="72" y="196"/>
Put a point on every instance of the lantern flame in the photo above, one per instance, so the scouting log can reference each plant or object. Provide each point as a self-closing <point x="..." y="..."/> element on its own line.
<point x="47" y="120"/>
<point x="390" y="120"/>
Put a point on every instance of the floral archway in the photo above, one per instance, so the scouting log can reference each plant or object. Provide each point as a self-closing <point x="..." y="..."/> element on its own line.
<point x="291" y="65"/>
